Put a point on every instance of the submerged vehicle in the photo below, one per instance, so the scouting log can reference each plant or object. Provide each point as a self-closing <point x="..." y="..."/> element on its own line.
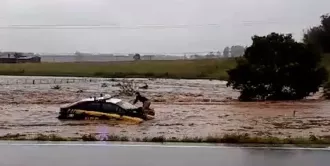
<point x="105" y="108"/>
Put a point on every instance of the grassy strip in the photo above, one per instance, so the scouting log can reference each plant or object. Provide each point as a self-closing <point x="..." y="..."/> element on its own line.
<point x="179" y="69"/>
<point x="228" y="139"/>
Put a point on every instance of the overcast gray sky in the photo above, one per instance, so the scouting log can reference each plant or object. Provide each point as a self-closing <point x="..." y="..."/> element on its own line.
<point x="235" y="21"/>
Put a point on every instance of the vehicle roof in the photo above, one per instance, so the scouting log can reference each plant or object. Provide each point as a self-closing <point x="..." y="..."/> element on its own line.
<point x="114" y="100"/>
<point x="107" y="99"/>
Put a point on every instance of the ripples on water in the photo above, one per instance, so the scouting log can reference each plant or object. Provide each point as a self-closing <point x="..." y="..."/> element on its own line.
<point x="185" y="108"/>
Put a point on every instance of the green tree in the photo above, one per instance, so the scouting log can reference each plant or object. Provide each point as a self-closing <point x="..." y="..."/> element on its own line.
<point x="210" y="55"/>
<point x="18" y="54"/>
<point x="226" y="52"/>
<point x="319" y="36"/>
<point x="137" y="57"/>
<point x="275" y="67"/>
<point x="237" y="51"/>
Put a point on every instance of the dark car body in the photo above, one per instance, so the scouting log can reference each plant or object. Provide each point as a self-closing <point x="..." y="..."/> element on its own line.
<point x="103" y="108"/>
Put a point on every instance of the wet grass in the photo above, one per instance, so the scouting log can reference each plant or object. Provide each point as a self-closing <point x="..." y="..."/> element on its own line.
<point x="13" y="137"/>
<point x="89" y="138"/>
<point x="52" y="137"/>
<point x="225" y="139"/>
<point x="179" y="69"/>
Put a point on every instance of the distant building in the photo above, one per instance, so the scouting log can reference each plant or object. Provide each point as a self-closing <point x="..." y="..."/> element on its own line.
<point x="15" y="57"/>
<point x="147" y="57"/>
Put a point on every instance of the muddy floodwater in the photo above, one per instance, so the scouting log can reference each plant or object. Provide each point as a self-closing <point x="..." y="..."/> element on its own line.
<point x="30" y="105"/>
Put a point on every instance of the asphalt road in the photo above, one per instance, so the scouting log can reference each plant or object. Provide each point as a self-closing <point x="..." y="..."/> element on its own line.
<point x="106" y="154"/>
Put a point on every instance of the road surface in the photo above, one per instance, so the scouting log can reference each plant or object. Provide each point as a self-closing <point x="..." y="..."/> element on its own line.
<point x="106" y="154"/>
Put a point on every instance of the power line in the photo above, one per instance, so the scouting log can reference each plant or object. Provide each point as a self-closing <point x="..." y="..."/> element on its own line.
<point x="154" y="26"/>
<point x="142" y="53"/>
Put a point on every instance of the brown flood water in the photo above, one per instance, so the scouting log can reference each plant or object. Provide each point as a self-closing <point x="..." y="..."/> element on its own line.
<point x="183" y="108"/>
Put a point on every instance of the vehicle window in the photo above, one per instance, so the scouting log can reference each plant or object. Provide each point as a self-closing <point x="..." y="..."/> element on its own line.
<point x="93" y="106"/>
<point x="80" y="106"/>
<point x="107" y="107"/>
<point x="126" y="105"/>
<point x="112" y="108"/>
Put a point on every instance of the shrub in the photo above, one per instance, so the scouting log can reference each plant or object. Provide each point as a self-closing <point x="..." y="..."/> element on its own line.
<point x="56" y="87"/>
<point x="127" y="87"/>
<point x="326" y="93"/>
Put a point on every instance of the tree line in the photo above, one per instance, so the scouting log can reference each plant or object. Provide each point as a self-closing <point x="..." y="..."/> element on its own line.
<point x="319" y="36"/>
<point x="233" y="51"/>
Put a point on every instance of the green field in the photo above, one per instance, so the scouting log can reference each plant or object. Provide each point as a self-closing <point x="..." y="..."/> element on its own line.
<point x="185" y="69"/>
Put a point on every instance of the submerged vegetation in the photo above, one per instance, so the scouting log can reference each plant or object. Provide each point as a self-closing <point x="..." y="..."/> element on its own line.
<point x="56" y="87"/>
<point x="226" y="139"/>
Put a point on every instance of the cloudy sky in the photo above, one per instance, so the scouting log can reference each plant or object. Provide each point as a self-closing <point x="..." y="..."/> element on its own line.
<point x="148" y="26"/>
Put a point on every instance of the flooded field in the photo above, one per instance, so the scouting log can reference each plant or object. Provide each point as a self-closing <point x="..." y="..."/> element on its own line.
<point x="183" y="108"/>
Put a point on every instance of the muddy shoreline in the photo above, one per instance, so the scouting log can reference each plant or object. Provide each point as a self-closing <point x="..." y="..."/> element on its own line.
<point x="185" y="108"/>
